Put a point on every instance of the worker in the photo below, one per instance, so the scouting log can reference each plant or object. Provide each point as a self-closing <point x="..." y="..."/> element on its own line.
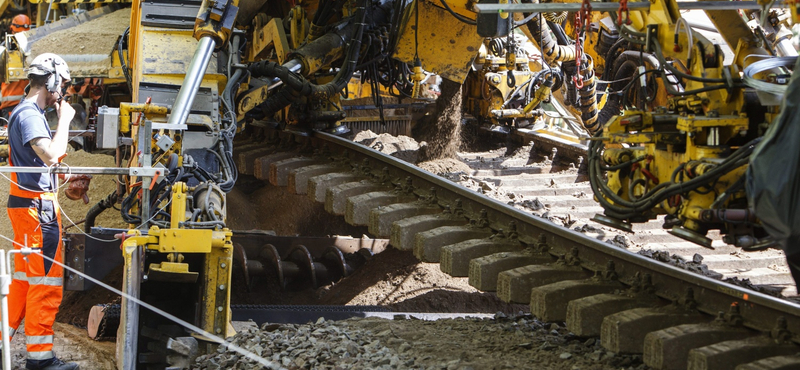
<point x="11" y="93"/>
<point x="36" y="288"/>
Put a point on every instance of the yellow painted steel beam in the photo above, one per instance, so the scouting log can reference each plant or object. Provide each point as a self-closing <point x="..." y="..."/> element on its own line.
<point x="446" y="45"/>
<point x="76" y="1"/>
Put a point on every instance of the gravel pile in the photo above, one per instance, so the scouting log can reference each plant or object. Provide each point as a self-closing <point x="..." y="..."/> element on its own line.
<point x="320" y="345"/>
<point x="503" y="342"/>
<point x="695" y="265"/>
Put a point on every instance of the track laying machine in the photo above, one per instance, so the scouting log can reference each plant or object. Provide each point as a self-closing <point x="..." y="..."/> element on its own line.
<point x="670" y="124"/>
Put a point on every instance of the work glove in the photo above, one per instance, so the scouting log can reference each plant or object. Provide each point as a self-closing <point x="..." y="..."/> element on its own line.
<point x="78" y="186"/>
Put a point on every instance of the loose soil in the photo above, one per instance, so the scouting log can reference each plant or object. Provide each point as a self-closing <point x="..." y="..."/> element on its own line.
<point x="445" y="166"/>
<point x="75" y="210"/>
<point x="401" y="147"/>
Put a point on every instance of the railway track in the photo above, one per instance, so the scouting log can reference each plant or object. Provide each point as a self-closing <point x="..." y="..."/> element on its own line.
<point x="633" y="303"/>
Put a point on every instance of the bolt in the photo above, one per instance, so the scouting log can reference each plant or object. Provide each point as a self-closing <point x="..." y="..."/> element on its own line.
<point x="219" y="330"/>
<point x="221" y="287"/>
<point x="223" y="265"/>
<point x="219" y="308"/>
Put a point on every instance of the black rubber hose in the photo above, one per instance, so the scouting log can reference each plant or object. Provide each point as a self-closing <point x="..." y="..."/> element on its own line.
<point x="558" y="31"/>
<point x="610" y="58"/>
<point x="97" y="209"/>
<point x="551" y="51"/>
<point x="303" y="87"/>
<point x="626" y="68"/>
<point x="588" y="100"/>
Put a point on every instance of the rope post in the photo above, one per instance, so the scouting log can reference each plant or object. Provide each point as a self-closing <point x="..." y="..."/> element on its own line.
<point x="5" y="284"/>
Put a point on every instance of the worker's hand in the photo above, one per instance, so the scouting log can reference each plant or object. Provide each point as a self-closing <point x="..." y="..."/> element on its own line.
<point x="65" y="111"/>
<point x="78" y="186"/>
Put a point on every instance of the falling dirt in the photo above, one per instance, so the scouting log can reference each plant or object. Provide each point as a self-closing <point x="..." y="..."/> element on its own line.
<point x="443" y="136"/>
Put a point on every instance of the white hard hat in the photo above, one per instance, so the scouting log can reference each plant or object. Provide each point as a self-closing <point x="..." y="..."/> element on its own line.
<point x="49" y="64"/>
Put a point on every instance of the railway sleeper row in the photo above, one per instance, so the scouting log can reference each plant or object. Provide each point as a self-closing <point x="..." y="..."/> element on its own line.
<point x="633" y="309"/>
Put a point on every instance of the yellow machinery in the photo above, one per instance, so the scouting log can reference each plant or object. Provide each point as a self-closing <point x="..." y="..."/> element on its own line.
<point x="687" y="137"/>
<point x="677" y="125"/>
<point x="673" y="126"/>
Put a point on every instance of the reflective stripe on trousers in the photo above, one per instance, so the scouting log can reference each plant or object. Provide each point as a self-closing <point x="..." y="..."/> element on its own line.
<point x="40" y="347"/>
<point x="40" y="355"/>
<point x="36" y="290"/>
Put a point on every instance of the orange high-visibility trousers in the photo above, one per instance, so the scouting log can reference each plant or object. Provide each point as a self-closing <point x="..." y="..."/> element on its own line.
<point x="36" y="289"/>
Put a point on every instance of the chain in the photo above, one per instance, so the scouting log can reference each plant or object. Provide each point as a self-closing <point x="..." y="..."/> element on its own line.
<point x="578" y="50"/>
<point x="583" y="19"/>
<point x="623" y="7"/>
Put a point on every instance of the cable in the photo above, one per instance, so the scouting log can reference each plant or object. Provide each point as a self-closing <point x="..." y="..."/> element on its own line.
<point x="525" y="20"/>
<point x="124" y="65"/>
<point x="682" y="21"/>
<point x="416" y="30"/>
<point x="623" y="209"/>
<point x="458" y="16"/>
<point x="764" y="65"/>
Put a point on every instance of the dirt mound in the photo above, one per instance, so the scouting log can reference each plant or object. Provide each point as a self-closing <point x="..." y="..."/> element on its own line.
<point x="99" y="188"/>
<point x="398" y="280"/>
<point x="445" y="166"/>
<point x="75" y="306"/>
<point x="97" y="37"/>
<point x="401" y="147"/>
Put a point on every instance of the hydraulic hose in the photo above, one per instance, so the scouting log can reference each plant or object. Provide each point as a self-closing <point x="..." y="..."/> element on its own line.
<point x="97" y="209"/>
<point x="621" y="208"/>
<point x="624" y="68"/>
<point x="625" y="65"/>
<point x="588" y="98"/>
<point x="301" y="86"/>
<point x="551" y="51"/>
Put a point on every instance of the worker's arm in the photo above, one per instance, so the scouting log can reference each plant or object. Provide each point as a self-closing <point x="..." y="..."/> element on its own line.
<point x="50" y="150"/>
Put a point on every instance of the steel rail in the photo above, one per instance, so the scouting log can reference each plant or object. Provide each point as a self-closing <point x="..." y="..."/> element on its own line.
<point x="759" y="311"/>
<point x="614" y="6"/>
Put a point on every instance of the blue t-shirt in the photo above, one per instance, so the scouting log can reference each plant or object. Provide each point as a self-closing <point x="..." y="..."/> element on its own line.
<point x="28" y="123"/>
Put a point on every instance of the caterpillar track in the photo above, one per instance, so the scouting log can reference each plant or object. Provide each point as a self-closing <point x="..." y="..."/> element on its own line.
<point x="632" y="302"/>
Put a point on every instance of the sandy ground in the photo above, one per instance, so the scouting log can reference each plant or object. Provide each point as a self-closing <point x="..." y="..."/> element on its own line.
<point x="70" y="344"/>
